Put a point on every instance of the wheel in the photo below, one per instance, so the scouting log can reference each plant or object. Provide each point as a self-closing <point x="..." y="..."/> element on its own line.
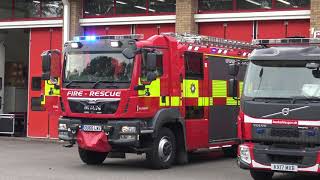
<point x="91" y="157"/>
<point x="261" y="175"/>
<point x="231" y="152"/>
<point x="163" y="150"/>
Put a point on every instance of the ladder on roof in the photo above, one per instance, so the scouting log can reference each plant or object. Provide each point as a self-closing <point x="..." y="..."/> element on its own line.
<point x="287" y="41"/>
<point x="210" y="41"/>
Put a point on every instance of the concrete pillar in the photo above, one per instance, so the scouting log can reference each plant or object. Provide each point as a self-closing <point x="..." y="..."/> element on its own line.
<point x="315" y="15"/>
<point x="185" y="11"/>
<point x="75" y="16"/>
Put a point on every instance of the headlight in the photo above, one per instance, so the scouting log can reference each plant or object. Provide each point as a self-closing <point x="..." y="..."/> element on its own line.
<point x="63" y="127"/>
<point x="245" y="154"/>
<point x="128" y="129"/>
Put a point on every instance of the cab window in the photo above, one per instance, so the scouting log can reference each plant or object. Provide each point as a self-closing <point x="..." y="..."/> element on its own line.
<point x="193" y="65"/>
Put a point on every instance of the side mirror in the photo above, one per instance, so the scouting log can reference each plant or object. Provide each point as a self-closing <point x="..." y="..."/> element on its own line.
<point x="129" y="53"/>
<point x="233" y="88"/>
<point x="0" y="85"/>
<point x="46" y="65"/>
<point x="233" y="69"/>
<point x="151" y="76"/>
<point x="51" y="64"/>
<point x="152" y="61"/>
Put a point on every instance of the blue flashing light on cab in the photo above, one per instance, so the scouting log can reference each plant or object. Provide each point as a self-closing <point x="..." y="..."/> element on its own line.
<point x="90" y="38"/>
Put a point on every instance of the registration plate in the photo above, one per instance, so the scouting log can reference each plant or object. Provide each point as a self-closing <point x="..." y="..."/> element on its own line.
<point x="92" y="108"/>
<point x="91" y="128"/>
<point x="284" y="167"/>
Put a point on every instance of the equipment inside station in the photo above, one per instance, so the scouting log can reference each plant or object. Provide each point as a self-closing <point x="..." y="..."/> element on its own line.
<point x="14" y="64"/>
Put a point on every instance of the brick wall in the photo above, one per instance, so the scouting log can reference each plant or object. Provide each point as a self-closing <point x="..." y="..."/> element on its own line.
<point x="75" y="15"/>
<point x="185" y="16"/>
<point x="315" y="15"/>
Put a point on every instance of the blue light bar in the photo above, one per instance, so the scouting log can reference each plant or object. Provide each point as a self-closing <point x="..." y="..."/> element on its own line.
<point x="76" y="38"/>
<point x="108" y="37"/>
<point x="90" y="38"/>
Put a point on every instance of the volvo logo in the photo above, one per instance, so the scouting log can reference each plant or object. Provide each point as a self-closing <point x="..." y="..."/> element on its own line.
<point x="285" y="111"/>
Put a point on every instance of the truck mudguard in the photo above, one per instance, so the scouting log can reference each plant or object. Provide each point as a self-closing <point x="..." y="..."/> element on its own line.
<point x="168" y="115"/>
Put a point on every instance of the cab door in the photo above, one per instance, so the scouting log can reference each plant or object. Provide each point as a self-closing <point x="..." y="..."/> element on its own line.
<point x="2" y="69"/>
<point x="224" y="110"/>
<point x="194" y="100"/>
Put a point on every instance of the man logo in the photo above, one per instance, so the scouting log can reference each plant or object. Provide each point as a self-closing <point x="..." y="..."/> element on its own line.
<point x="285" y="111"/>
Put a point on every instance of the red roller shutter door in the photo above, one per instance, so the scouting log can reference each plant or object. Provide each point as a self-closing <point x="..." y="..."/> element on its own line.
<point x="212" y="29"/>
<point x="241" y="31"/>
<point x="271" y="29"/>
<point x="40" y="123"/>
<point x="149" y="30"/>
<point x="108" y="30"/>
<point x="278" y="29"/>
<point x="299" y="28"/>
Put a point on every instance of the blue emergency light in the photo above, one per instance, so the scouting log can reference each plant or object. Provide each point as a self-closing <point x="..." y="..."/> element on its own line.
<point x="90" y="38"/>
<point x="260" y="130"/>
<point x="84" y="38"/>
<point x="108" y="37"/>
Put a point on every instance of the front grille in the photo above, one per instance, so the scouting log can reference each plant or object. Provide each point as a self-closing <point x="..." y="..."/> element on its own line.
<point x="284" y="133"/>
<point x="106" y="107"/>
<point x="286" y="159"/>
<point x="286" y="154"/>
<point x="287" y="134"/>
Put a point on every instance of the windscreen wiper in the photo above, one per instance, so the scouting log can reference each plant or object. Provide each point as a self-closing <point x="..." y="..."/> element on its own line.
<point x="271" y="99"/>
<point x="109" y="85"/>
<point x="305" y="98"/>
<point x="75" y="81"/>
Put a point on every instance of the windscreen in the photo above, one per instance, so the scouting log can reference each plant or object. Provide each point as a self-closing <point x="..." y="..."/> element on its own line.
<point x="281" y="79"/>
<point x="97" y="66"/>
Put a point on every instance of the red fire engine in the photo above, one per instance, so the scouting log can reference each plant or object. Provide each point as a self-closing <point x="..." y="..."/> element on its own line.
<point x="165" y="96"/>
<point x="278" y="123"/>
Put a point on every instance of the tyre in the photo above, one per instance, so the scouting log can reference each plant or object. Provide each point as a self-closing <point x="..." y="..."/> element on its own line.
<point x="91" y="157"/>
<point x="261" y="175"/>
<point x="163" y="150"/>
<point x="231" y="152"/>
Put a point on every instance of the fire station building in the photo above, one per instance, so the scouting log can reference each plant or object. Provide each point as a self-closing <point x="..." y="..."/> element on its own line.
<point x="28" y="27"/>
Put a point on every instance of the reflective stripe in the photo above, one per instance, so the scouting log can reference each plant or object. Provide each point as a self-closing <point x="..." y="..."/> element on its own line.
<point x="203" y="101"/>
<point x="175" y="101"/>
<point x="190" y="88"/>
<point x="219" y="88"/>
<point x="210" y="101"/>
<point x="167" y="101"/>
<point x="152" y="89"/>
<point x="240" y="88"/>
<point x="50" y="90"/>
<point x="231" y="101"/>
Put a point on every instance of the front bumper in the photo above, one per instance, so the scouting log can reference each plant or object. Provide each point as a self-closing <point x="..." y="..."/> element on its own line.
<point x="68" y="128"/>
<point x="263" y="156"/>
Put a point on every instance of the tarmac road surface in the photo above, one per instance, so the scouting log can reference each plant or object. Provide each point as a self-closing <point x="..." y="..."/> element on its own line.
<point x="24" y="160"/>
